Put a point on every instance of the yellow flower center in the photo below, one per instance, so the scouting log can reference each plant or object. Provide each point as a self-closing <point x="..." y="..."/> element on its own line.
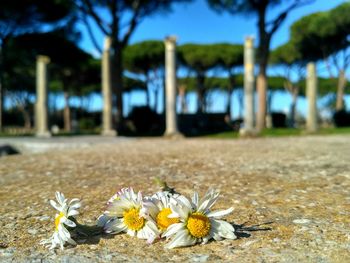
<point x="163" y="222"/>
<point x="198" y="225"/>
<point x="133" y="220"/>
<point x="58" y="220"/>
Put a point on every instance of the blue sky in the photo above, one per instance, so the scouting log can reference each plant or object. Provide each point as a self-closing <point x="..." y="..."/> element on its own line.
<point x="197" y="23"/>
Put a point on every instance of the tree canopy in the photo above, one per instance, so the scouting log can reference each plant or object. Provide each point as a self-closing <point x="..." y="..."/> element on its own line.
<point x="321" y="34"/>
<point x="18" y="17"/>
<point x="198" y="57"/>
<point x="144" y="56"/>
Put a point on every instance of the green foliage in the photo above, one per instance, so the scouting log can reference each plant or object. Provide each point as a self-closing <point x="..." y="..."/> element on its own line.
<point x="325" y="86"/>
<point x="20" y="16"/>
<point x="212" y="83"/>
<point x="322" y="34"/>
<point x="54" y="44"/>
<point x="202" y="57"/>
<point x="144" y="56"/>
<point x="70" y="68"/>
<point x="286" y="54"/>
<point x="275" y="83"/>
<point x="198" y="57"/>
<point x="240" y="6"/>
<point x="130" y="84"/>
<point x="217" y="83"/>
<point x="230" y="55"/>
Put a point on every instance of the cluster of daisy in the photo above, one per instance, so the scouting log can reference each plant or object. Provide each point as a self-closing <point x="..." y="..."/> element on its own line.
<point x="180" y="221"/>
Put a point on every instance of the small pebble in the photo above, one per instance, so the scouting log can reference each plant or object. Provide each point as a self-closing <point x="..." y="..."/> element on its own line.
<point x="44" y="218"/>
<point x="32" y="231"/>
<point x="200" y="258"/>
<point x="301" y="221"/>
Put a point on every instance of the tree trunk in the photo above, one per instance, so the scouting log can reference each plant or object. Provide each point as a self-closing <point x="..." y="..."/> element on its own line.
<point x="293" y="106"/>
<point x="182" y="98"/>
<point x="147" y="97"/>
<point x="261" y="89"/>
<point x="229" y="101"/>
<point x="263" y="56"/>
<point x="230" y="91"/>
<point x="66" y="113"/>
<point x="156" y="90"/>
<point x="148" y="91"/>
<point x="26" y="117"/>
<point x="340" y="91"/>
<point x="200" y="93"/>
<point x="155" y="104"/>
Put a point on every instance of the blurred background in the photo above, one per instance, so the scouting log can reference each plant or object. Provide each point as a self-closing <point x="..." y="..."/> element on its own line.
<point x="210" y="97"/>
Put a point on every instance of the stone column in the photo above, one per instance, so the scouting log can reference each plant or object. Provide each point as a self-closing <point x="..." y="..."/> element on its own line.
<point x="248" y="128"/>
<point x="170" y="87"/>
<point x="311" y="94"/>
<point x="107" y="129"/>
<point x="41" y="108"/>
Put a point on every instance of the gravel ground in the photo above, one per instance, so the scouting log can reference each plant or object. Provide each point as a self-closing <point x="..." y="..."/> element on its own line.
<point x="297" y="188"/>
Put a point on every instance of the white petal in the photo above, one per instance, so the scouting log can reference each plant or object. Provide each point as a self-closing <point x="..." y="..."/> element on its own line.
<point x="71" y="241"/>
<point x="173" y="215"/>
<point x="195" y="199"/>
<point x="55" y="205"/>
<point x="139" y="197"/>
<point x="102" y="220"/>
<point x="208" y="201"/>
<point x="152" y="227"/>
<point x="115" y="226"/>
<point x="220" y="213"/>
<point x="150" y="230"/>
<point x="142" y="234"/>
<point x="63" y="233"/>
<point x="222" y="228"/>
<point x="75" y="205"/>
<point x="151" y="239"/>
<point x="181" y="211"/>
<point x="74" y="200"/>
<point x="61" y="198"/>
<point x="183" y="201"/>
<point x="173" y="229"/>
<point x="72" y="212"/>
<point x="206" y="239"/>
<point x="131" y="232"/>
<point x="149" y="208"/>
<point x="181" y="239"/>
<point x="69" y="223"/>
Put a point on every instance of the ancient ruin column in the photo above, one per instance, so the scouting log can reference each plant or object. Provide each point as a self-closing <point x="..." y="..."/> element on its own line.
<point x="41" y="111"/>
<point x="170" y="86"/>
<point x="311" y="94"/>
<point x="248" y="128"/>
<point x="107" y="129"/>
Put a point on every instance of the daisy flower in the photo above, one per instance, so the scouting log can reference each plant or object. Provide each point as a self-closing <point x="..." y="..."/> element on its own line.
<point x="66" y="210"/>
<point x="197" y="223"/>
<point x="125" y="216"/>
<point x="158" y="208"/>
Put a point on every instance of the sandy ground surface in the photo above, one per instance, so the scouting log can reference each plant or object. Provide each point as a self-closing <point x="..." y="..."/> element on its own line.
<point x="298" y="187"/>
